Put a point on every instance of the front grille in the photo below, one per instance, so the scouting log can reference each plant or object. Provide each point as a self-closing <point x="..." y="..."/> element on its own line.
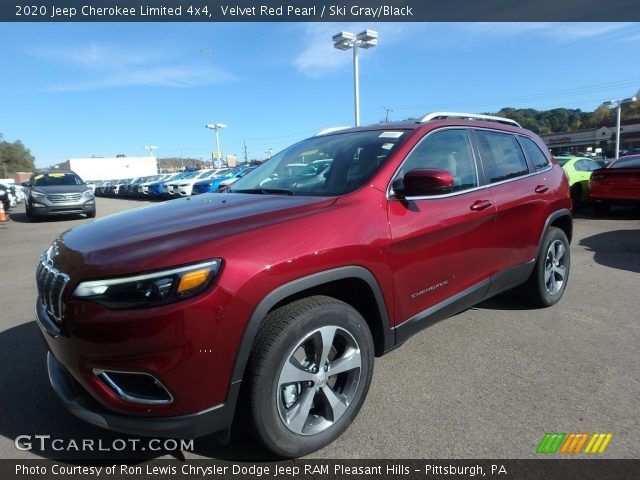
<point x="64" y="197"/>
<point x="51" y="284"/>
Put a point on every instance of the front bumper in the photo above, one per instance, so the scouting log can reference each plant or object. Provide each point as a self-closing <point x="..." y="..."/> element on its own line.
<point x="47" y="209"/>
<point x="188" y="346"/>
<point x="80" y="403"/>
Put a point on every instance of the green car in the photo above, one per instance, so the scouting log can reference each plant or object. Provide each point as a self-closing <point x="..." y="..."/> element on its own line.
<point x="579" y="171"/>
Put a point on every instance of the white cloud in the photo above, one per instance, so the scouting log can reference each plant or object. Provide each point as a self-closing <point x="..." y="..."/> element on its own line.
<point x="97" y="66"/>
<point x="175" y="76"/>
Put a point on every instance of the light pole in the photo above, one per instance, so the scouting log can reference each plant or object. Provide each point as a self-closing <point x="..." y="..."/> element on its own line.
<point x="345" y="41"/>
<point x="216" y="127"/>
<point x="150" y="149"/>
<point x="618" y="105"/>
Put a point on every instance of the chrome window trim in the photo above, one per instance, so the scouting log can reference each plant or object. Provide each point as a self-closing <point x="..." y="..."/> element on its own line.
<point x="473" y="153"/>
<point x="390" y="196"/>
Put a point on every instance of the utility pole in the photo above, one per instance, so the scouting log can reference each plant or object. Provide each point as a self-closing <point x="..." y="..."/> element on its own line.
<point x="246" y="158"/>
<point x="386" y="118"/>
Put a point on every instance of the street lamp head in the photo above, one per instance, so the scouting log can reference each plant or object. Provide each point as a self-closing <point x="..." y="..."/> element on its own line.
<point x="343" y="40"/>
<point x="367" y="39"/>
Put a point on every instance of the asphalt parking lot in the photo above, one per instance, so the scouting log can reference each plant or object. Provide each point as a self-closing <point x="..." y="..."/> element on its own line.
<point x="487" y="383"/>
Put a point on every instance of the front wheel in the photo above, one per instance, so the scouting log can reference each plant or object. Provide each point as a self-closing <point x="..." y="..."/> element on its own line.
<point x="309" y="373"/>
<point x="551" y="272"/>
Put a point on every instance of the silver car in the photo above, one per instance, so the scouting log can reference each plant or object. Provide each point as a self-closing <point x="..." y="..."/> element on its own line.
<point x="58" y="192"/>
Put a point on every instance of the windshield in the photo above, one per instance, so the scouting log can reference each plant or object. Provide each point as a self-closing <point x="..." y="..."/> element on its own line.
<point x="221" y="173"/>
<point x="629" y="162"/>
<point x="56" y="179"/>
<point x="204" y="173"/>
<point x="323" y="166"/>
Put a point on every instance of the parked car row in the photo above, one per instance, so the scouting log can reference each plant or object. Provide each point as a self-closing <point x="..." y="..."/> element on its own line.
<point x="172" y="185"/>
<point x="11" y="195"/>
<point x="617" y="183"/>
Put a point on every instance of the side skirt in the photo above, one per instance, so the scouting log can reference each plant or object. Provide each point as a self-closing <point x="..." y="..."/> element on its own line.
<point x="502" y="281"/>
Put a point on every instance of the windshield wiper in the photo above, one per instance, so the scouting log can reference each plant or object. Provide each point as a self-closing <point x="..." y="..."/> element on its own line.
<point x="265" y="191"/>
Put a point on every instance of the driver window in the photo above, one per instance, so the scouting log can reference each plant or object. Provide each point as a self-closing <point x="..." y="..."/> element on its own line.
<point x="448" y="150"/>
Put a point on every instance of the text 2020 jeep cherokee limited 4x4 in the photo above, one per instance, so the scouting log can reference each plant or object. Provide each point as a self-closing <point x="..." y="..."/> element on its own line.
<point x="277" y="294"/>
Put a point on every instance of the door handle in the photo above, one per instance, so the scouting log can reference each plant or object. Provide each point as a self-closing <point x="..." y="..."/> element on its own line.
<point x="541" y="188"/>
<point x="481" y="205"/>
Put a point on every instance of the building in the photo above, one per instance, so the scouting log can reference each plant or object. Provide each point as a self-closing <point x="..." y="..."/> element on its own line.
<point x="110" y="168"/>
<point x="600" y="140"/>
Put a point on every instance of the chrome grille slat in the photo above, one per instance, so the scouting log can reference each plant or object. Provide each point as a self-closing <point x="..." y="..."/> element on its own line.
<point x="51" y="285"/>
<point x="64" y="197"/>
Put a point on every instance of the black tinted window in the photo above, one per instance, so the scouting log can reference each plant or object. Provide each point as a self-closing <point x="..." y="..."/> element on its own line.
<point x="539" y="159"/>
<point x="631" y="162"/>
<point x="501" y="155"/>
<point x="56" y="179"/>
<point x="448" y="150"/>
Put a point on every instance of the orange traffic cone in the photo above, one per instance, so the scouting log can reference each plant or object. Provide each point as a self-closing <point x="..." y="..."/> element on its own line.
<point x="3" y="215"/>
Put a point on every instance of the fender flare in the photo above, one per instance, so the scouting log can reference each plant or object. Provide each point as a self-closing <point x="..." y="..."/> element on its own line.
<point x="299" y="285"/>
<point x="565" y="212"/>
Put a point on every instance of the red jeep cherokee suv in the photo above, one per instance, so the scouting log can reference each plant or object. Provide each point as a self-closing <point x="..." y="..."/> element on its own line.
<point x="277" y="294"/>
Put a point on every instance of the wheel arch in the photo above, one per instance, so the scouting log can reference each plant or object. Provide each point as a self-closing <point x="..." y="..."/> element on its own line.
<point x="560" y="219"/>
<point x="353" y="285"/>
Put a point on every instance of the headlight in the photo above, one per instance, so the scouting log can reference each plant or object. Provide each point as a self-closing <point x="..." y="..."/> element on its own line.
<point x="37" y="195"/>
<point x="150" y="289"/>
<point x="2" y="192"/>
<point x="88" y="193"/>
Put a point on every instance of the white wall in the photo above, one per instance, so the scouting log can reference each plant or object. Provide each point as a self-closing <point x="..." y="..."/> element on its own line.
<point x="112" y="168"/>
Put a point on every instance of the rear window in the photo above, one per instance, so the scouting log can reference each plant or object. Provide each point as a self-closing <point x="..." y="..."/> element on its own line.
<point x="502" y="157"/>
<point x="56" y="179"/>
<point x="630" y="162"/>
<point x="539" y="159"/>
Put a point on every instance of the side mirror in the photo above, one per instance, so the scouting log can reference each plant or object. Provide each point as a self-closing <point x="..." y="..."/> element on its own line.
<point x="423" y="182"/>
<point x="26" y="184"/>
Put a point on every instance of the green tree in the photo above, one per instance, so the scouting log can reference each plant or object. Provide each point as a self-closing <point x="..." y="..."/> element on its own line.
<point x="15" y="157"/>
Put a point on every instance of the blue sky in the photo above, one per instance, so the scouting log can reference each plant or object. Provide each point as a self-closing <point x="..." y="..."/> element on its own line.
<point x="75" y="90"/>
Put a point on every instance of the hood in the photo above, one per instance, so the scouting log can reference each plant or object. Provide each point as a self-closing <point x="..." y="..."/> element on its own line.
<point x="173" y="233"/>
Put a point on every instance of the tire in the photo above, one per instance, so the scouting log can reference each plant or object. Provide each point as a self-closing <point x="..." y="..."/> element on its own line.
<point x="549" y="278"/>
<point x="292" y="410"/>
<point x="576" y="196"/>
<point x="91" y="214"/>
<point x="30" y="216"/>
<point x="601" y="208"/>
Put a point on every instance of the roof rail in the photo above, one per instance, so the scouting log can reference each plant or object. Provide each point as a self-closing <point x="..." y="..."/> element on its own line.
<point x="330" y="130"/>
<point x="469" y="116"/>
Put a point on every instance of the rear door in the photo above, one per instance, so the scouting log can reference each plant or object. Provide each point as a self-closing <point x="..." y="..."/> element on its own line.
<point x="519" y="188"/>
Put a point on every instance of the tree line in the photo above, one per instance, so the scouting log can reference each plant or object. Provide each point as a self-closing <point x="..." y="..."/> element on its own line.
<point x="15" y="157"/>
<point x="557" y="120"/>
